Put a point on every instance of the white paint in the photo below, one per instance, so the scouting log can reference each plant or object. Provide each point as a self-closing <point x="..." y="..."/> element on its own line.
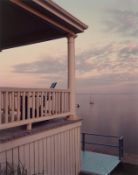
<point x="54" y="152"/>
<point x="71" y="76"/>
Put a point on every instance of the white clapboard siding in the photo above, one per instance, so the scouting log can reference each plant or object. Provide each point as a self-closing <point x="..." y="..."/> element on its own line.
<point x="52" y="152"/>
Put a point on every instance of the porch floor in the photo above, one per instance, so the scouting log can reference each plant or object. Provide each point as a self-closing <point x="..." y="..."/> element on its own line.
<point x="17" y="132"/>
<point x="97" y="163"/>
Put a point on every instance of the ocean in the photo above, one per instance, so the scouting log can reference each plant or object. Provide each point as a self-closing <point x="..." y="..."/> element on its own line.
<point x="111" y="114"/>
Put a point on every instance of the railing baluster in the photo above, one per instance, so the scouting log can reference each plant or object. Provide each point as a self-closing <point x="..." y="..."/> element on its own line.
<point x="42" y="99"/>
<point x="52" y="99"/>
<point x="56" y="102"/>
<point x="2" y="102"/>
<point x="11" y="111"/>
<point x="28" y="106"/>
<point x="33" y="104"/>
<point x="68" y="93"/>
<point x="18" y="106"/>
<point x="64" y="102"/>
<point x="0" y="107"/>
<point x="60" y="102"/>
<point x="53" y="103"/>
<point x="49" y="102"/>
<point x="37" y="105"/>
<point x="65" y="110"/>
<point x="10" y="101"/>
<point x="45" y="104"/>
<point x="6" y="107"/>
<point x="47" y="98"/>
<point x="23" y="105"/>
<point x="69" y="101"/>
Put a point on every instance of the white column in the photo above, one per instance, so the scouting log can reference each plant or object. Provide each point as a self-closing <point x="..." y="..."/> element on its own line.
<point x="71" y="76"/>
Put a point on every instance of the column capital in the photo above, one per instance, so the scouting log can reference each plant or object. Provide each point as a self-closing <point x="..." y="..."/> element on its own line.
<point x="69" y="36"/>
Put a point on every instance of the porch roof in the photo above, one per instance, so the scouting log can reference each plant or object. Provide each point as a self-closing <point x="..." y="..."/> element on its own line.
<point x="27" y="22"/>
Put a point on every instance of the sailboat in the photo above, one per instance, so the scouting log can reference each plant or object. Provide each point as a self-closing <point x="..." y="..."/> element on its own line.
<point x="91" y="102"/>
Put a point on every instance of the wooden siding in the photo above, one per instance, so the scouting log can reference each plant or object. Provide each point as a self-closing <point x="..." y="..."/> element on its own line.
<point x="53" y="152"/>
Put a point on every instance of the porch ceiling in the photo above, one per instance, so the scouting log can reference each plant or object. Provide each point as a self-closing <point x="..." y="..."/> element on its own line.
<point x="25" y="22"/>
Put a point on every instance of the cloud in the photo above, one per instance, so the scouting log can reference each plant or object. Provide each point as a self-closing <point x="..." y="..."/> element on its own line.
<point x="43" y="66"/>
<point x="123" y="22"/>
<point x="101" y="65"/>
<point x="86" y="60"/>
<point x="114" y="57"/>
<point x="129" y="53"/>
<point x="116" y="70"/>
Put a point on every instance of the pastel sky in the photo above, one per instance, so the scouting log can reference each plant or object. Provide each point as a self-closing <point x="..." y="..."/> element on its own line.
<point x="106" y="54"/>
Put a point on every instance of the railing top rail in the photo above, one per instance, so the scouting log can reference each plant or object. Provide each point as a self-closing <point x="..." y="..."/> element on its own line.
<point x="9" y="89"/>
<point x="102" y="135"/>
<point x="102" y="144"/>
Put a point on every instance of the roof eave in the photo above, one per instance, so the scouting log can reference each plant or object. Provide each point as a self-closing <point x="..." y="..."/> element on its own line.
<point x="54" y="9"/>
<point x="58" y="11"/>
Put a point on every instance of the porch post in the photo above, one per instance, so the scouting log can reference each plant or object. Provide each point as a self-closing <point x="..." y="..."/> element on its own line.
<point x="71" y="76"/>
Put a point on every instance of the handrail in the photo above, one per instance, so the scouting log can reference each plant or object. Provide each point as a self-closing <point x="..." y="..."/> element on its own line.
<point x="119" y="146"/>
<point x="12" y="89"/>
<point x="100" y="135"/>
<point x="102" y="144"/>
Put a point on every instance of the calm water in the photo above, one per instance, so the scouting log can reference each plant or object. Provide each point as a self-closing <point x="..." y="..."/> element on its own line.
<point x="112" y="115"/>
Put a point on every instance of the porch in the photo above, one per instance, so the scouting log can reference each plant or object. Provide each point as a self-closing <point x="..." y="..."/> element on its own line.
<point x="52" y="146"/>
<point x="100" y="161"/>
<point x="33" y="22"/>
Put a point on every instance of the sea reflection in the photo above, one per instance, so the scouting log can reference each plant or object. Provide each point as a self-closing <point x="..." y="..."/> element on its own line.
<point x="111" y="115"/>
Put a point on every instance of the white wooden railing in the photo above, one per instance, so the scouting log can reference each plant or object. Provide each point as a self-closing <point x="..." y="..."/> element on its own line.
<point x="20" y="106"/>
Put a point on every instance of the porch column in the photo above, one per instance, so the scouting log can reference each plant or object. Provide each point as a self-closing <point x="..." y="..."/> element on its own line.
<point x="71" y="76"/>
